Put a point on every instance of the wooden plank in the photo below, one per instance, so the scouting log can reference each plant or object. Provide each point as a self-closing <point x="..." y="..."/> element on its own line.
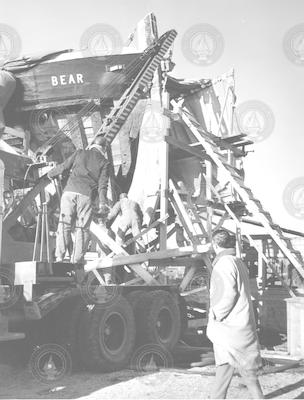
<point x="131" y="282"/>
<point x="279" y="357"/>
<point x="131" y="259"/>
<point x="182" y="212"/>
<point x="144" y="231"/>
<point x="104" y="238"/>
<point x="189" y="371"/>
<point x="164" y="179"/>
<point x="208" y="179"/>
<point x="193" y="291"/>
<point x="247" y="196"/>
<point x="281" y="368"/>
<point x="187" y="278"/>
<point x="197" y="323"/>
<point x="2" y="172"/>
<point x="147" y="34"/>
<point x="223" y="218"/>
<point x="251" y="241"/>
<point x="201" y="154"/>
<point x="16" y="165"/>
<point x="149" y="64"/>
<point x="178" y="262"/>
<point x="11" y="218"/>
<point x="233" y="139"/>
<point x="84" y="140"/>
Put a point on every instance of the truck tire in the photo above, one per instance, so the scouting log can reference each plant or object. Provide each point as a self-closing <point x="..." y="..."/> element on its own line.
<point x="183" y="313"/>
<point x="66" y="319"/>
<point x="107" y="336"/>
<point x="60" y="326"/>
<point x="135" y="299"/>
<point x="159" y="320"/>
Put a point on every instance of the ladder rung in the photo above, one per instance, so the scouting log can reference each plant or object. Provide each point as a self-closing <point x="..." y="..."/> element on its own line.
<point x="191" y="118"/>
<point x="200" y="236"/>
<point x="221" y="157"/>
<point x="214" y="151"/>
<point x="268" y="216"/>
<point x="298" y="253"/>
<point x="240" y="182"/>
<point x="207" y="138"/>
<point x="278" y="229"/>
<point x="250" y="194"/>
<point x="195" y="144"/>
<point x="256" y="200"/>
<point x="230" y="167"/>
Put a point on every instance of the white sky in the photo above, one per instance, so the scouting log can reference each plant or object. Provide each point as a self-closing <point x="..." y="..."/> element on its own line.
<point x="253" y="31"/>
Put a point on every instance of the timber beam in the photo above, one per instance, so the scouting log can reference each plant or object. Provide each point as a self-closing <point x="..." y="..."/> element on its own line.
<point x="121" y="260"/>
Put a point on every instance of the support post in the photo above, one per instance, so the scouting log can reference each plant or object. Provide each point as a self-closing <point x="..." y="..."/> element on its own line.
<point x="209" y="197"/>
<point x="164" y="183"/>
<point x="147" y="32"/>
<point x="1" y="204"/>
<point x="238" y="235"/>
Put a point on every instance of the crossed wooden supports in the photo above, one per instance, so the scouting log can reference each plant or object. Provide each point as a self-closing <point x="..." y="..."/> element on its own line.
<point x="135" y="261"/>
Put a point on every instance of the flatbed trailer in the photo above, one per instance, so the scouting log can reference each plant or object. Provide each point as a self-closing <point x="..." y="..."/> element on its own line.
<point x="101" y="324"/>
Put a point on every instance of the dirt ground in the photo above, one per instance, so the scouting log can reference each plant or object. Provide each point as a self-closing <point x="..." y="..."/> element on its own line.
<point x="18" y="382"/>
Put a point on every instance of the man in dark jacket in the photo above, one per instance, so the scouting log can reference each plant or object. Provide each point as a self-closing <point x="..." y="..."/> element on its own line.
<point x="89" y="170"/>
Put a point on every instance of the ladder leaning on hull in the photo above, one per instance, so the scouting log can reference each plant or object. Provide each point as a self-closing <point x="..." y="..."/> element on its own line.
<point x="154" y="54"/>
<point x="151" y="59"/>
<point x="147" y="64"/>
<point x="253" y="205"/>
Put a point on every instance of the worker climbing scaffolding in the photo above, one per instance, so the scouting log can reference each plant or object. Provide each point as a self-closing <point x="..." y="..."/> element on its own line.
<point x="187" y="184"/>
<point x="89" y="173"/>
<point x="130" y="217"/>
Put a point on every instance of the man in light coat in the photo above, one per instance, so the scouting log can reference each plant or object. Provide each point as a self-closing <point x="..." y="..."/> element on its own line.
<point x="131" y="217"/>
<point x="231" y="326"/>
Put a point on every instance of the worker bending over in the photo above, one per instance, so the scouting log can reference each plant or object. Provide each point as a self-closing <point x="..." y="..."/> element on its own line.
<point x="131" y="217"/>
<point x="89" y="173"/>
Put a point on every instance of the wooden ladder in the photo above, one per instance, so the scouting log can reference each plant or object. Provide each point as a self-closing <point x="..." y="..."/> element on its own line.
<point x="187" y="214"/>
<point x="253" y="205"/>
<point x="147" y="64"/>
<point x="153" y="56"/>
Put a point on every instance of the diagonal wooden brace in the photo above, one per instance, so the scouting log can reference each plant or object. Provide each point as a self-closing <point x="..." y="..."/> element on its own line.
<point x="102" y="235"/>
